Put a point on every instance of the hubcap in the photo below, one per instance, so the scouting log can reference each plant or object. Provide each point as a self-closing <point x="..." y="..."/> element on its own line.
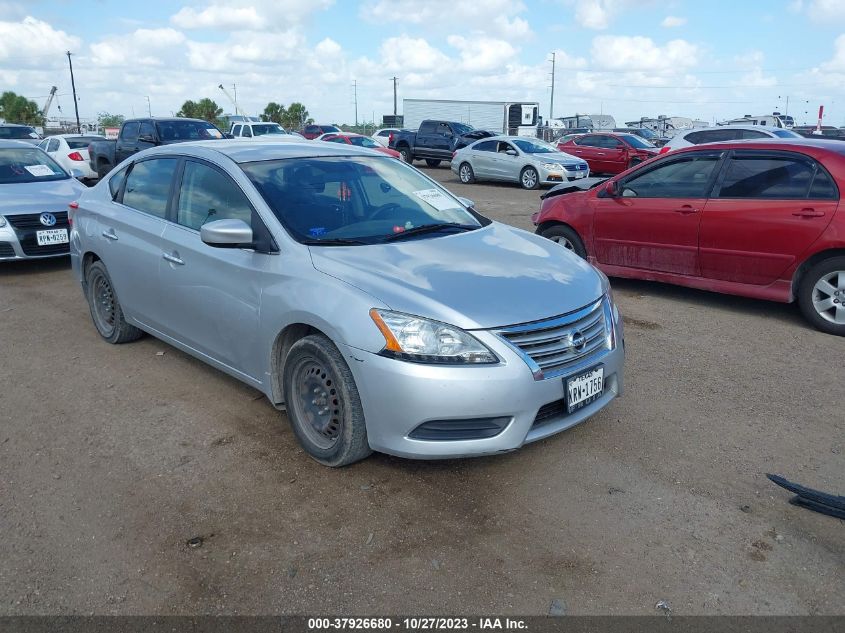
<point x="564" y="242"/>
<point x="829" y="295"/>
<point x="465" y="173"/>
<point x="317" y="403"/>
<point x="104" y="304"/>
<point x="529" y="178"/>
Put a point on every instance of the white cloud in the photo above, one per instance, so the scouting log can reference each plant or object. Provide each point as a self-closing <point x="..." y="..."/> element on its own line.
<point x="837" y="63"/>
<point x="249" y="15"/>
<point x="408" y="54"/>
<point x="483" y="54"/>
<point x="34" y="43"/>
<point x="493" y="17"/>
<point x="820" y="11"/>
<point x="641" y="53"/>
<point x="144" y="47"/>
<point x="672" y="21"/>
<point x="593" y="14"/>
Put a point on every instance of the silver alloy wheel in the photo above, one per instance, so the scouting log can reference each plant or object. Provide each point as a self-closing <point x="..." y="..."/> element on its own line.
<point x="104" y="304"/>
<point x="316" y="402"/>
<point x="465" y="173"/>
<point x="529" y="178"/>
<point x="829" y="297"/>
<point x="565" y="242"/>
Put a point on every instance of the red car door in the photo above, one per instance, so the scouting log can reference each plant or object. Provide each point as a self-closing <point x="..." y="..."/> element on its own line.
<point x="652" y="224"/>
<point x="586" y="147"/>
<point x="767" y="209"/>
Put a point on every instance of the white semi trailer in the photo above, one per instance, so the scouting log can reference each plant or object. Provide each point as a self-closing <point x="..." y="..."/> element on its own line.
<point x="517" y="118"/>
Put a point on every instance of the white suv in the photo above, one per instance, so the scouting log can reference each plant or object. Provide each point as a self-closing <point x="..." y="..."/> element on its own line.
<point x="698" y="136"/>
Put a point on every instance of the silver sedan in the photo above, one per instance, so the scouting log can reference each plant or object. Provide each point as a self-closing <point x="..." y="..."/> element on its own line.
<point x="528" y="161"/>
<point x="34" y="196"/>
<point x="379" y="310"/>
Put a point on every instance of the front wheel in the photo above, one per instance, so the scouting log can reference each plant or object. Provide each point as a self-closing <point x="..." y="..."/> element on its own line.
<point x="566" y="237"/>
<point x="466" y="174"/>
<point x="323" y="404"/>
<point x="432" y="162"/>
<point x="105" y="308"/>
<point x="821" y="296"/>
<point x="529" y="178"/>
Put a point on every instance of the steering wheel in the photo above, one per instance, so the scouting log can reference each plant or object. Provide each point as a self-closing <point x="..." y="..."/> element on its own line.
<point x="384" y="209"/>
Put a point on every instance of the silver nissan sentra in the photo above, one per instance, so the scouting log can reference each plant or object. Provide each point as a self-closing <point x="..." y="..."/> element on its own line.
<point x="379" y="310"/>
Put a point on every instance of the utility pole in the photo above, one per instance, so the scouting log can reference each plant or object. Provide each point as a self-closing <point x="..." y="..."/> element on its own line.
<point x="552" y="99"/>
<point x="355" y="89"/>
<point x="149" y="109"/>
<point x="73" y="85"/>
<point x="394" y="97"/>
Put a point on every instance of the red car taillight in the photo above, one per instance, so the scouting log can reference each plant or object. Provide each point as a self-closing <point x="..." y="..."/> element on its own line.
<point x="75" y="156"/>
<point x="664" y="150"/>
<point x="390" y="139"/>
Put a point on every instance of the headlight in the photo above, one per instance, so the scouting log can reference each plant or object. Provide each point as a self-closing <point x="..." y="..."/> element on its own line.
<point x="557" y="166"/>
<point x="415" y="339"/>
<point x="2" y="221"/>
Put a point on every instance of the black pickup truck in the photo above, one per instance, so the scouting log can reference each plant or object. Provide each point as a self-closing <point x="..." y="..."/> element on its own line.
<point x="435" y="140"/>
<point x="139" y="134"/>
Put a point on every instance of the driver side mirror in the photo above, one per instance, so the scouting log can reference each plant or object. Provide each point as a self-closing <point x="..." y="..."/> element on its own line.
<point x="612" y="189"/>
<point x="511" y="152"/>
<point x="229" y="233"/>
<point x="146" y="138"/>
<point x="469" y="204"/>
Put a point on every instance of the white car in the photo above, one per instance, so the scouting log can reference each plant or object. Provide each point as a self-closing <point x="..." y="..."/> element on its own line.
<point x="382" y="136"/>
<point x="719" y="133"/>
<point x="71" y="152"/>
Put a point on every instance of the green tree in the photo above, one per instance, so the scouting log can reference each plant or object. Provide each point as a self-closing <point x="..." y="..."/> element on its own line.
<point x="274" y="112"/>
<point x="105" y="119"/>
<point x="16" y="108"/>
<point x="205" y="109"/>
<point x="296" y="116"/>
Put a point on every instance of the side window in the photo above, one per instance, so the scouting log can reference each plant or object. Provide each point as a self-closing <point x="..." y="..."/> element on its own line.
<point x="427" y="127"/>
<point x="116" y="181"/>
<point x="485" y="146"/>
<point x="688" y="177"/>
<point x="444" y="129"/>
<point x="503" y="147"/>
<point x="612" y="143"/>
<point x="236" y="131"/>
<point x="714" y="136"/>
<point x="130" y="131"/>
<point x="778" y="177"/>
<point x="749" y="134"/>
<point x="147" y="129"/>
<point x="247" y="131"/>
<point x="696" y="138"/>
<point x="148" y="186"/>
<point x="207" y="195"/>
<point x="823" y="187"/>
<point x="43" y="144"/>
<point x="384" y="133"/>
<point x="53" y="145"/>
<point x="590" y="140"/>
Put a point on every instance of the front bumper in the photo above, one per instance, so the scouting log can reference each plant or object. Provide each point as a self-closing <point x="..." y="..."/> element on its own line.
<point x="558" y="176"/>
<point x="398" y="396"/>
<point x="17" y="244"/>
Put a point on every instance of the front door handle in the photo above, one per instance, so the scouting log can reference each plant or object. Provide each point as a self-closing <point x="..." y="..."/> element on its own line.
<point x="173" y="259"/>
<point x="109" y="234"/>
<point x="809" y="213"/>
<point x="686" y="209"/>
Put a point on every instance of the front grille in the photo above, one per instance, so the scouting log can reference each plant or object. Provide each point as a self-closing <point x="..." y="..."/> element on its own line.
<point x="578" y="167"/>
<point x="33" y="221"/>
<point x="554" y="345"/>
<point x="6" y="250"/>
<point x="31" y="248"/>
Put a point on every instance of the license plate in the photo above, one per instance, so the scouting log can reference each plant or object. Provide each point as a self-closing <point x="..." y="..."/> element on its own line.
<point x="580" y="174"/>
<point x="583" y="389"/>
<point x="51" y="236"/>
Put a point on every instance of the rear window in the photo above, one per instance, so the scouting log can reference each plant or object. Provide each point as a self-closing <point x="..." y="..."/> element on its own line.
<point x="785" y="133"/>
<point x="28" y="165"/>
<point x="17" y="132"/>
<point x="82" y="142"/>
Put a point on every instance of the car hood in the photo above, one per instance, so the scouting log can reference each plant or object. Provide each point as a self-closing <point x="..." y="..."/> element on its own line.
<point x="37" y="197"/>
<point x="494" y="276"/>
<point x="558" y="157"/>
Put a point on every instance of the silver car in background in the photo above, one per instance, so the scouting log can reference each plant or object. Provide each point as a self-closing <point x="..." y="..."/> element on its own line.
<point x="34" y="196"/>
<point x="379" y="310"/>
<point x="528" y="161"/>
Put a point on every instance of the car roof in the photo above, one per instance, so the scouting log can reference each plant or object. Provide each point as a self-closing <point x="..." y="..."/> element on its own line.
<point x="798" y="144"/>
<point x="92" y="135"/>
<point x="763" y="128"/>
<point x="10" y="144"/>
<point x="247" y="151"/>
<point x="14" y="125"/>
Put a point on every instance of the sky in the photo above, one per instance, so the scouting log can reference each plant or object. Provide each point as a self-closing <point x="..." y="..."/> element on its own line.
<point x="711" y="60"/>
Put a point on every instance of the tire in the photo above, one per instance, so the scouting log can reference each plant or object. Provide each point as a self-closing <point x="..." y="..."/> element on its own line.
<point x="330" y="426"/>
<point x="566" y="237"/>
<point x="466" y="174"/>
<point x="821" y="295"/>
<point x="105" y="308"/>
<point x="407" y="155"/>
<point x="432" y="162"/>
<point x="103" y="169"/>
<point x="528" y="178"/>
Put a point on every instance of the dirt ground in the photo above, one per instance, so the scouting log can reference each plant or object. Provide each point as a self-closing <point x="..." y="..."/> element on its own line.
<point x="113" y="457"/>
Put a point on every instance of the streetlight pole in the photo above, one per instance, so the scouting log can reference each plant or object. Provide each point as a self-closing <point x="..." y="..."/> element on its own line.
<point x="552" y="99"/>
<point x="394" y="98"/>
<point x="73" y="85"/>
<point x="355" y="89"/>
<point x="149" y="109"/>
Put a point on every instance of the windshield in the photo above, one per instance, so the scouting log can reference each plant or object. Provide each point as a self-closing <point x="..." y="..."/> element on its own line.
<point x="267" y="128"/>
<point x="645" y="133"/>
<point x="363" y="141"/>
<point x="461" y="129"/>
<point x="535" y="147"/>
<point x="364" y="199"/>
<point x="635" y="141"/>
<point x="18" y="132"/>
<point x="28" y="165"/>
<point x="187" y="130"/>
<point x="785" y="133"/>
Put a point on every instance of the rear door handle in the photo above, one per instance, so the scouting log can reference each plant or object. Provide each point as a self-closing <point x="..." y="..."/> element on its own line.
<point x="809" y="213"/>
<point x="686" y="209"/>
<point x="109" y="234"/>
<point x="173" y="259"/>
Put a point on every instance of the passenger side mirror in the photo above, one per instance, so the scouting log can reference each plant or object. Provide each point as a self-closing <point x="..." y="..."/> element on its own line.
<point x="146" y="138"/>
<point x="229" y="233"/>
<point x="469" y="204"/>
<point x="511" y="152"/>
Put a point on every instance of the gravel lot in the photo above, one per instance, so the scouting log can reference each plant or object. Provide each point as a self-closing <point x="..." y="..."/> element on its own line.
<point x="113" y="457"/>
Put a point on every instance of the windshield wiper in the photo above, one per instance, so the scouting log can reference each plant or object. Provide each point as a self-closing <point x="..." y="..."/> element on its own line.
<point x="334" y="241"/>
<point x="429" y="228"/>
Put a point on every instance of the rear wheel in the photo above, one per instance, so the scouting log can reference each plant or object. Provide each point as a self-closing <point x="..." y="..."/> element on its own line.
<point x="466" y="174"/>
<point x="821" y="295"/>
<point x="323" y="404"/>
<point x="432" y="162"/>
<point x="105" y="308"/>
<point x="103" y="169"/>
<point x="566" y="237"/>
<point x="529" y="179"/>
<point x="406" y="154"/>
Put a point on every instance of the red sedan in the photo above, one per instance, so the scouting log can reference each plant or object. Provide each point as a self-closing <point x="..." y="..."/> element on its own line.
<point x="751" y="218"/>
<point x="359" y="140"/>
<point x="608" y="153"/>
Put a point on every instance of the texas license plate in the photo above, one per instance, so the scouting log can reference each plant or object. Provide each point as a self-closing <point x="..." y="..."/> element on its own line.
<point x="585" y="388"/>
<point x="51" y="236"/>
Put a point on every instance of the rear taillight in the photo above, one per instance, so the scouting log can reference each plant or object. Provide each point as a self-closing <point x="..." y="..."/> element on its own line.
<point x="75" y="156"/>
<point x="390" y="139"/>
<point x="665" y="150"/>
